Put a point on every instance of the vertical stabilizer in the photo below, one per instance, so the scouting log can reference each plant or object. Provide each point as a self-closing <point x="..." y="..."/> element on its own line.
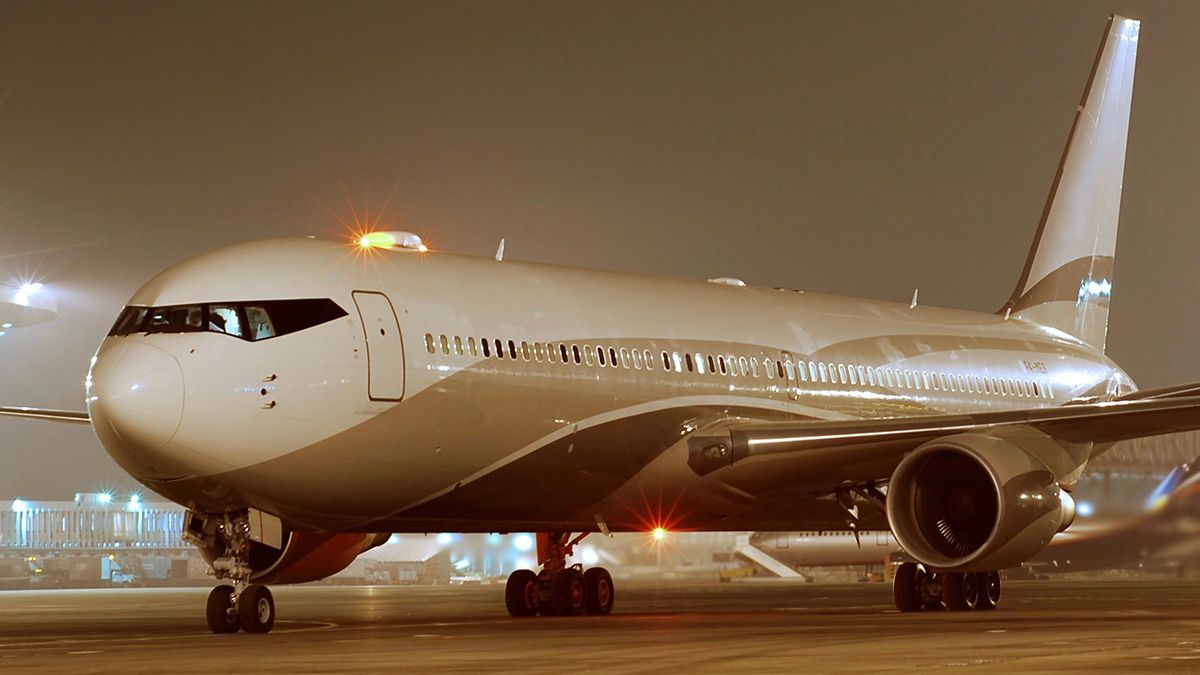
<point x="1068" y="277"/>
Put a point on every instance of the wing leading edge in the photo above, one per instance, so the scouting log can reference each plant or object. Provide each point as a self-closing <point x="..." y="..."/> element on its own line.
<point x="69" y="416"/>
<point x="883" y="442"/>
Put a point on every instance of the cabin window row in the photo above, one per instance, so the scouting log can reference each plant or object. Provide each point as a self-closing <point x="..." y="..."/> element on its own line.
<point x="737" y="366"/>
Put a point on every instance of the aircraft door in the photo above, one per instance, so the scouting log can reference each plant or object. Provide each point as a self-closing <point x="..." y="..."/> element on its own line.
<point x="385" y="346"/>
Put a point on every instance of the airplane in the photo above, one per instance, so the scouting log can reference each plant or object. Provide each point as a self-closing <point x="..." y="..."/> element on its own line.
<point x="1171" y="517"/>
<point x="303" y="401"/>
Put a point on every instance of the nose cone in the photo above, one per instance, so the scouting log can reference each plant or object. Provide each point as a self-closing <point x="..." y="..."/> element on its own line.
<point x="136" y="390"/>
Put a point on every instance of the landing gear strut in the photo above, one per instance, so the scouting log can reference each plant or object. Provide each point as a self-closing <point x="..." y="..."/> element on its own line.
<point x="559" y="589"/>
<point x="915" y="588"/>
<point x="242" y="604"/>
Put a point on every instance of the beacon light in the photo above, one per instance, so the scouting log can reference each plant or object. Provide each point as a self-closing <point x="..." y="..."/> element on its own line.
<point x="391" y="241"/>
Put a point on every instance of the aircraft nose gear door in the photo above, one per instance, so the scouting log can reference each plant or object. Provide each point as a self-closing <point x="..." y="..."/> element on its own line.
<point x="385" y="347"/>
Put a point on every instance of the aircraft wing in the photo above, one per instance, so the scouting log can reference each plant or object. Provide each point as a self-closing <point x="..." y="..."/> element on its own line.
<point x="70" y="416"/>
<point x="881" y="443"/>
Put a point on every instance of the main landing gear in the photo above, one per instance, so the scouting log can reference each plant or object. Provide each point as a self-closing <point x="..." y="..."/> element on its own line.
<point x="559" y="589"/>
<point x="242" y="604"/>
<point x="916" y="588"/>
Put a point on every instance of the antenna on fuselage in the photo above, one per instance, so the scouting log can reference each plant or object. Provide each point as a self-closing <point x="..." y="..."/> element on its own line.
<point x="913" y="304"/>
<point x="500" y="251"/>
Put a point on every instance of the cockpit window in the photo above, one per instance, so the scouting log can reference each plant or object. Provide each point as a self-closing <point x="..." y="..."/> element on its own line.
<point x="225" y="319"/>
<point x="252" y="321"/>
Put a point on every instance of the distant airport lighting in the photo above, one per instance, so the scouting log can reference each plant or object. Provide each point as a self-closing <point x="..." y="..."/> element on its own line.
<point x="20" y="505"/>
<point x="523" y="542"/>
<point x="104" y="498"/>
<point x="444" y="538"/>
<point x="5" y="325"/>
<point x="135" y="502"/>
<point x="659" y="533"/>
<point x="590" y="557"/>
<point x="25" y="293"/>
<point x="393" y="241"/>
<point x="1085" y="509"/>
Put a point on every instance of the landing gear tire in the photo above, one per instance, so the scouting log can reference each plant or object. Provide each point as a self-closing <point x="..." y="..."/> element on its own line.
<point x="220" y="619"/>
<point x="930" y="588"/>
<point x="568" y="595"/>
<point x="904" y="587"/>
<point x="256" y="609"/>
<point x="960" y="591"/>
<point x="598" y="585"/>
<point x="521" y="593"/>
<point x="989" y="589"/>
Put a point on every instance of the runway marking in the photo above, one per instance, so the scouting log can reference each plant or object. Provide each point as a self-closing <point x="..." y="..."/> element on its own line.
<point x="86" y="651"/>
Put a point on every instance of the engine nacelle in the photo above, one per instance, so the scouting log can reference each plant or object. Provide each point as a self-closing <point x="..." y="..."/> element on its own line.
<point x="975" y="502"/>
<point x="305" y="556"/>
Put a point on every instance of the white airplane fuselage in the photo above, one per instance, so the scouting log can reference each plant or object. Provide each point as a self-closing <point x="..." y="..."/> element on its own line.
<point x="374" y="421"/>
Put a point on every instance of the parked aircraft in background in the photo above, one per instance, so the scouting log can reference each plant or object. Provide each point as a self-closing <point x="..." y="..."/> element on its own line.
<point x="303" y="401"/>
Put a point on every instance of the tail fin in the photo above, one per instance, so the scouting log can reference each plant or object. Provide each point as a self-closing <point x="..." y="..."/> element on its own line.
<point x="1068" y="276"/>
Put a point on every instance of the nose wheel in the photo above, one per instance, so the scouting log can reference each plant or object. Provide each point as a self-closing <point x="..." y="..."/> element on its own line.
<point x="241" y="605"/>
<point x="252" y="610"/>
<point x="559" y="589"/>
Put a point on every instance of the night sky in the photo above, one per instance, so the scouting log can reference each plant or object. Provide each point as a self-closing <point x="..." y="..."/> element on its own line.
<point x="853" y="148"/>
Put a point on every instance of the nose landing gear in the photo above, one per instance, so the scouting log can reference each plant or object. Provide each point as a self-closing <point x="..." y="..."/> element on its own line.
<point x="559" y="589"/>
<point x="242" y="604"/>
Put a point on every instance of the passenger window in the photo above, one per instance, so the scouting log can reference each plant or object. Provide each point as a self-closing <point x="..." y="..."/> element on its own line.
<point x="648" y="359"/>
<point x="891" y="382"/>
<point x="823" y="371"/>
<point x="525" y="353"/>
<point x="483" y="342"/>
<point x="445" y="344"/>
<point x="841" y="373"/>
<point x="1037" y="391"/>
<point x="853" y="375"/>
<point x="871" y="376"/>
<point x="588" y="356"/>
<point x="575" y="353"/>
<point x="499" y="348"/>
<point x="789" y="369"/>
<point x="742" y="366"/>
<point x="690" y="365"/>
<point x="429" y="343"/>
<point x="471" y="346"/>
<point x="539" y="352"/>
<point x="624" y="358"/>
<point x="225" y="319"/>
<point x="678" y="363"/>
<point x="812" y="371"/>
<point x="637" y="360"/>
<point x="600" y="355"/>
<point x="712" y="365"/>
<point x="722" y="365"/>
<point x="779" y="369"/>
<point x="458" y="349"/>
<point x="754" y="367"/>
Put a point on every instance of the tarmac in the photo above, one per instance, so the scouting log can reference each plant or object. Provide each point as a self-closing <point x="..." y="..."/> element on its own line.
<point x="656" y="627"/>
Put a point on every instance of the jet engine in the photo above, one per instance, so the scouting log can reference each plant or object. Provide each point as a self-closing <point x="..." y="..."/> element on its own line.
<point x="975" y="502"/>
<point x="305" y="556"/>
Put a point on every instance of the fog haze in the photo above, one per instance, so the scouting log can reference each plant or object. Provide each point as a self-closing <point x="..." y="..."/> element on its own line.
<point x="852" y="148"/>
